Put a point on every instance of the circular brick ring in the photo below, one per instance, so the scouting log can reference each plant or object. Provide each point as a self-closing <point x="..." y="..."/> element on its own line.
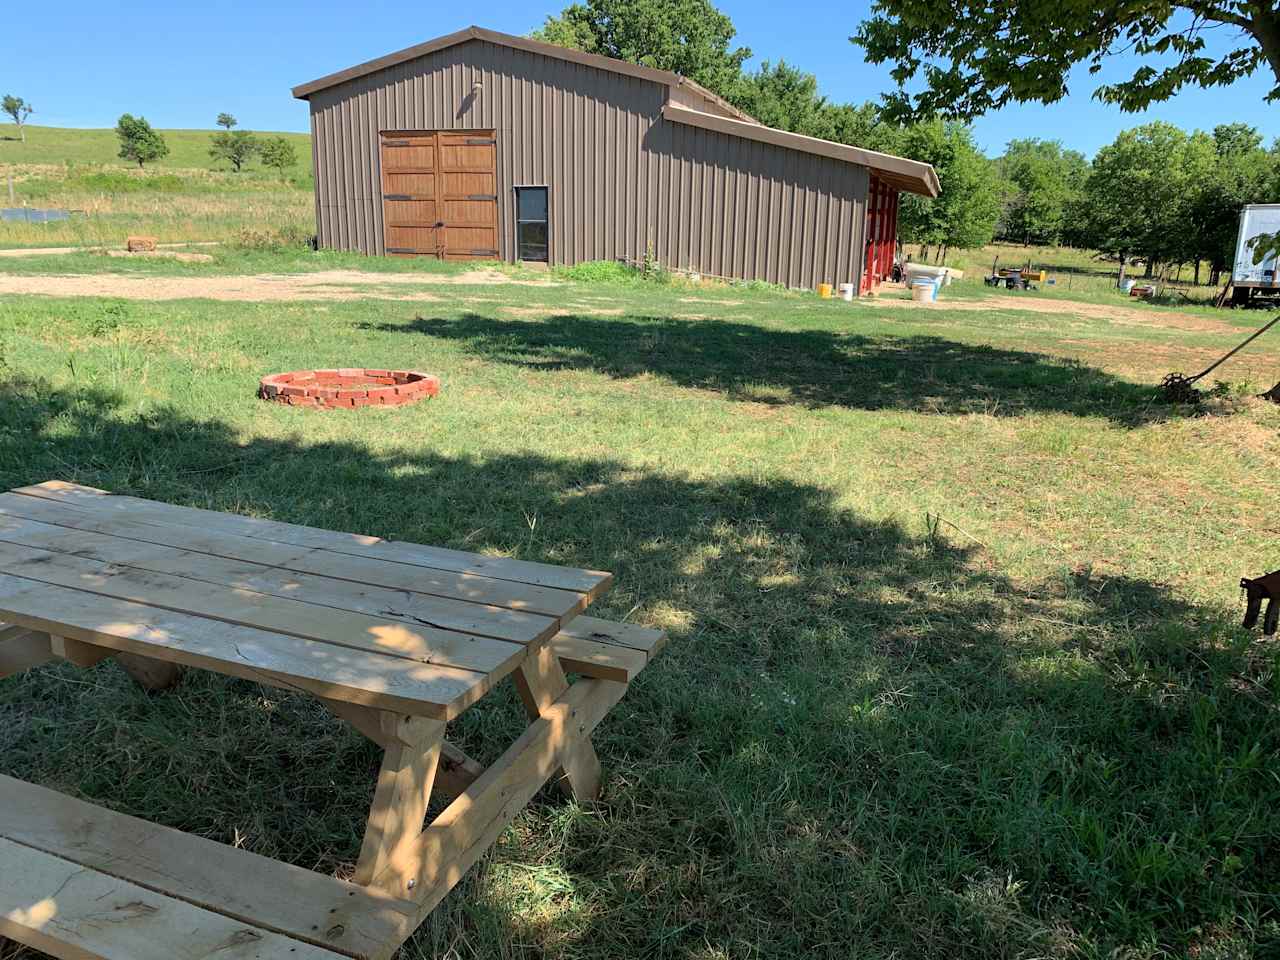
<point x="348" y="387"/>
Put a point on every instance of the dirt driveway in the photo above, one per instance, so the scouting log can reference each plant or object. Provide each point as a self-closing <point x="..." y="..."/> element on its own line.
<point x="1119" y="315"/>
<point x="262" y="288"/>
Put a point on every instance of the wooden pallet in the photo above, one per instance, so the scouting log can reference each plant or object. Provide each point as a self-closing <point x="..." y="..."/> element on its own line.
<point x="395" y="638"/>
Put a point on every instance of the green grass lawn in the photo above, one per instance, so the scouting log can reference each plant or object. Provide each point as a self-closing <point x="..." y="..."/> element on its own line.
<point x="954" y="670"/>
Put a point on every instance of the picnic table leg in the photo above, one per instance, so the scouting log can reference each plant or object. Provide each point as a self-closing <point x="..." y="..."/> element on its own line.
<point x="455" y="772"/>
<point x="399" y="810"/>
<point x="541" y="682"/>
<point x="149" y="673"/>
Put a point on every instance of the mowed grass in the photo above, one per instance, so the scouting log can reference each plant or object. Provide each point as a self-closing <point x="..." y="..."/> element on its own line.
<point x="954" y="669"/>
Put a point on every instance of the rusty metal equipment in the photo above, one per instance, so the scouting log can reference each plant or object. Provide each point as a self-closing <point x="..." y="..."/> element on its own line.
<point x="1263" y="588"/>
<point x="1177" y="388"/>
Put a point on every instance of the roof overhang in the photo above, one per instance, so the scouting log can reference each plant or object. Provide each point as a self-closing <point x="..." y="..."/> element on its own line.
<point x="664" y="77"/>
<point x="910" y="175"/>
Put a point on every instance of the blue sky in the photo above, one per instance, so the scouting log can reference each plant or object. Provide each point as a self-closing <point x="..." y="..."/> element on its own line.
<point x="180" y="64"/>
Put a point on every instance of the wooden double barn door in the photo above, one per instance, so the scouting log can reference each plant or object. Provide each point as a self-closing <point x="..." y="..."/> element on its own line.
<point x="440" y="194"/>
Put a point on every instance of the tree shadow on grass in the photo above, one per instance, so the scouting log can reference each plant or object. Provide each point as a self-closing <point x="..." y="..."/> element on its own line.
<point x="809" y="367"/>
<point x="859" y="742"/>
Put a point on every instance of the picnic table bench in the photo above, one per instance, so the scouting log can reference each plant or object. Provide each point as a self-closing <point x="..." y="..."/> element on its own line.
<point x="396" y="638"/>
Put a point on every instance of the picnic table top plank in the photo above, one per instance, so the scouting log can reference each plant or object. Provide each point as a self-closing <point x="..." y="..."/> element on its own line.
<point x="324" y="669"/>
<point x="246" y="608"/>
<point x="589" y="582"/>
<point x="81" y="913"/>
<point x="92" y="514"/>
<point x="256" y="890"/>
<point x="482" y="620"/>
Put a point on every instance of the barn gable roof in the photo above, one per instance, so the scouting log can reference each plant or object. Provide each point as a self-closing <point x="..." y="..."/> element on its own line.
<point x="664" y="77"/>
<point x="718" y="114"/>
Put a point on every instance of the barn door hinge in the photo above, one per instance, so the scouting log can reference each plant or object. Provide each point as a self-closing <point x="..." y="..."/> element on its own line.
<point x="482" y="196"/>
<point x="481" y="142"/>
<point x="398" y="143"/>
<point x="405" y="250"/>
<point x="396" y="196"/>
<point x="484" y="253"/>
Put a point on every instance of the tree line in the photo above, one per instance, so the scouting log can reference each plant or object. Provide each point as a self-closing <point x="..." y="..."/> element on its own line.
<point x="1157" y="194"/>
<point x="140" y="143"/>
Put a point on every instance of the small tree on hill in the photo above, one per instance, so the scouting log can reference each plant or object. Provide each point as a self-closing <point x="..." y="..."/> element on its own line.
<point x="19" y="109"/>
<point x="237" y="147"/>
<point x="138" y="142"/>
<point x="226" y="120"/>
<point x="279" y="154"/>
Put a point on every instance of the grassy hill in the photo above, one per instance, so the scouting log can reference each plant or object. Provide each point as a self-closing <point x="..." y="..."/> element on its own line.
<point x="188" y="149"/>
<point x="185" y="196"/>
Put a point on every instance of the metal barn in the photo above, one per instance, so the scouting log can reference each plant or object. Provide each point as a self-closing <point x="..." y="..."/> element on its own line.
<point x="484" y="145"/>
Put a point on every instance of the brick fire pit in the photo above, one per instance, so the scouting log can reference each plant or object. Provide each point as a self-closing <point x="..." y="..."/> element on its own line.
<point x="348" y="387"/>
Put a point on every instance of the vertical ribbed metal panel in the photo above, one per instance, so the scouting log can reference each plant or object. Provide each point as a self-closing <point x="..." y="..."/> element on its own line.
<point x="623" y="181"/>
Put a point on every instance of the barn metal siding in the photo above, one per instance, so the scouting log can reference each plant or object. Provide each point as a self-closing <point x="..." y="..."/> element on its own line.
<point x="623" y="181"/>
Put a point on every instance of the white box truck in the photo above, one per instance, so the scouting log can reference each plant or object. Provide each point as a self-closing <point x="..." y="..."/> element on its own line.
<point x="1249" y="279"/>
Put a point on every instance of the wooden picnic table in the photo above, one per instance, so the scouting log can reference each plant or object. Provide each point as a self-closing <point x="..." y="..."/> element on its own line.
<point x="396" y="638"/>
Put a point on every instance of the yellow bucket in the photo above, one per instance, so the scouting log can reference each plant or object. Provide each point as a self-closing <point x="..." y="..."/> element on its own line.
<point x="824" y="291"/>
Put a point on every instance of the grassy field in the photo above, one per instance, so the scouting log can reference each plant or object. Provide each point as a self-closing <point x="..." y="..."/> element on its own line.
<point x="1080" y="274"/>
<point x="954" y="670"/>
<point x="184" y="197"/>
<point x="59" y="146"/>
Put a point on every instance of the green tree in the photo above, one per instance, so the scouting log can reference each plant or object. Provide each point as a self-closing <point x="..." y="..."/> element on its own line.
<point x="1139" y="195"/>
<point x="974" y="57"/>
<point x="1044" y="181"/>
<point x="1243" y="173"/>
<point x="779" y="95"/>
<point x="689" y="37"/>
<point x="965" y="212"/>
<point x="237" y="147"/>
<point x="138" y="142"/>
<point x="19" y="109"/>
<point x="279" y="154"/>
<point x="226" y="120"/>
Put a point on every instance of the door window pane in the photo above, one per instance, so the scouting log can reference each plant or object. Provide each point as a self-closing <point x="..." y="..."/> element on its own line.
<point x="532" y="238"/>
<point x="532" y="203"/>
<point x="532" y="231"/>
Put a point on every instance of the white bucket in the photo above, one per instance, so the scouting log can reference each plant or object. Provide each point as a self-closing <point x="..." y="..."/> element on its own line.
<point x="846" y="291"/>
<point x="924" y="291"/>
<point x="1129" y="285"/>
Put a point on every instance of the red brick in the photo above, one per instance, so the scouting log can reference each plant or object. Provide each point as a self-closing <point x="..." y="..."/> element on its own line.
<point x="352" y="394"/>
